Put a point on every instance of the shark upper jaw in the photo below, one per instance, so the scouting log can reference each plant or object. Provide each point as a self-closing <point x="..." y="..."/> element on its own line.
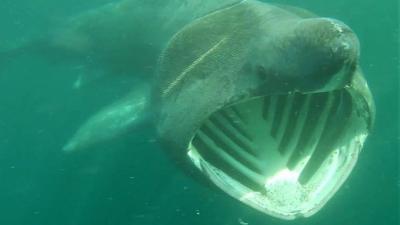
<point x="285" y="155"/>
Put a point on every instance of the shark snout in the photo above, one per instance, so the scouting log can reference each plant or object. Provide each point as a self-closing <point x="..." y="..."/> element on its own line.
<point x="319" y="51"/>
<point x="344" y="44"/>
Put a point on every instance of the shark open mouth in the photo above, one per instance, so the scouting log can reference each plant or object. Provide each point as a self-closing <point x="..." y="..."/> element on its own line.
<point x="285" y="155"/>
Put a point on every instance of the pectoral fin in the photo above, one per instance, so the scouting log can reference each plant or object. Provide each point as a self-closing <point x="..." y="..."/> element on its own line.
<point x="112" y="121"/>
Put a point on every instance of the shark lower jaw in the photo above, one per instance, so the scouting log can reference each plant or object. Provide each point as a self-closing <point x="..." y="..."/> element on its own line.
<point x="284" y="155"/>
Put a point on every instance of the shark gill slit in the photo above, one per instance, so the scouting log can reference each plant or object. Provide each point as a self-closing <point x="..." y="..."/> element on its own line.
<point x="186" y="71"/>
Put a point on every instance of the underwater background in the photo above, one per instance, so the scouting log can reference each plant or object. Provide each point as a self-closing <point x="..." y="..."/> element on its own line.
<point x="125" y="182"/>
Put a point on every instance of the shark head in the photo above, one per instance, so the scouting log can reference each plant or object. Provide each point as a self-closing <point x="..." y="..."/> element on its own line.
<point x="273" y="113"/>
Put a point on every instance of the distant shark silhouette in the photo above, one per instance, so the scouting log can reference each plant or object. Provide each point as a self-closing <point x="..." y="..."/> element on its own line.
<point x="124" y="37"/>
<point x="268" y="102"/>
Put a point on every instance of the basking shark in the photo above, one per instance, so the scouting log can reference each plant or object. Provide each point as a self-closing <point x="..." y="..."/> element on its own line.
<point x="268" y="102"/>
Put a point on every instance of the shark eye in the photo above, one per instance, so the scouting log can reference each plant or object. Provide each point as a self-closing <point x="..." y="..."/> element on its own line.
<point x="262" y="74"/>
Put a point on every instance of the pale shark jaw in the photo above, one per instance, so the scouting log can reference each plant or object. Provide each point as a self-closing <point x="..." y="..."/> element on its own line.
<point x="284" y="155"/>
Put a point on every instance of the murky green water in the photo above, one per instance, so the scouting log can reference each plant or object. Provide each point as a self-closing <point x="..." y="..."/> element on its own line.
<point x="126" y="183"/>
